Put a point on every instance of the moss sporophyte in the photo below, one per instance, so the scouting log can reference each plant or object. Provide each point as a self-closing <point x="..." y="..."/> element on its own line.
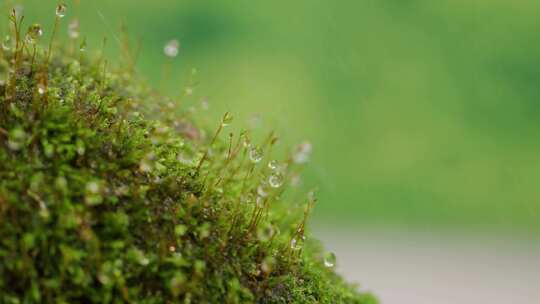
<point x="111" y="193"/>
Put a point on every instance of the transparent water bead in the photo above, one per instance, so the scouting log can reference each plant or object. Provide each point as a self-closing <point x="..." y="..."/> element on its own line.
<point x="61" y="10"/>
<point x="74" y="29"/>
<point x="7" y="43"/>
<point x="42" y="89"/>
<point x="35" y="31"/>
<point x="276" y="180"/>
<point x="262" y="190"/>
<point x="171" y="49"/>
<point x="268" y="264"/>
<point x="265" y="233"/>
<point x="255" y="155"/>
<point x="226" y="120"/>
<point x="302" y="153"/>
<point x="205" y="105"/>
<point x="273" y="165"/>
<point x="295" y="245"/>
<point x="329" y="260"/>
<point x="82" y="47"/>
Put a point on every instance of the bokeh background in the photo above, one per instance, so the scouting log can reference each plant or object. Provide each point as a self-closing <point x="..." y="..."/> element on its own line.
<point x="424" y="117"/>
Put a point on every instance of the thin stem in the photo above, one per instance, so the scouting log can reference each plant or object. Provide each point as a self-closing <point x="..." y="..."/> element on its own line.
<point x="55" y="29"/>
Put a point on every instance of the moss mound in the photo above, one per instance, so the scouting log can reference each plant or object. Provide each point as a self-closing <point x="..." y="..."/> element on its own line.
<point x="109" y="195"/>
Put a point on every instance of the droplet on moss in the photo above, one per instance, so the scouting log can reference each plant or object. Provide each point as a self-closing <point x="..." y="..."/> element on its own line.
<point x="93" y="190"/>
<point x="7" y="43"/>
<point x="302" y="152"/>
<point x="272" y="165"/>
<point x="276" y="180"/>
<point x="226" y="120"/>
<point x="171" y="49"/>
<point x="16" y="139"/>
<point x="295" y="245"/>
<point x="329" y="260"/>
<point x="262" y="190"/>
<point x="255" y="155"/>
<point x="61" y="10"/>
<point x="35" y="31"/>
<point x="74" y="29"/>
<point x="265" y="233"/>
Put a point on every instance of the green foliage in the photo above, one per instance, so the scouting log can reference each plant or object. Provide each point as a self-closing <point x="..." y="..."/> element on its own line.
<point x="110" y="195"/>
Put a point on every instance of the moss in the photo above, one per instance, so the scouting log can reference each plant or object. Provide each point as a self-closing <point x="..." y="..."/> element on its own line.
<point x="107" y="195"/>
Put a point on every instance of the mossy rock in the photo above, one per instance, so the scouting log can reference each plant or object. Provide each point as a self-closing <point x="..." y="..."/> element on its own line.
<point x="110" y="195"/>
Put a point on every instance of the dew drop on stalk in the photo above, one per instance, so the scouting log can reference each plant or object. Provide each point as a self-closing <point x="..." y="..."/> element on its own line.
<point x="41" y="89"/>
<point x="74" y="29"/>
<point x="6" y="43"/>
<point x="35" y="31"/>
<point x="276" y="180"/>
<point x="171" y="49"/>
<point x="255" y="155"/>
<point x="226" y="120"/>
<point x="82" y="47"/>
<point x="265" y="233"/>
<point x="61" y="10"/>
<point x="262" y="191"/>
<point x="295" y="244"/>
<point x="302" y="152"/>
<point x="272" y="165"/>
<point x="329" y="260"/>
<point x="204" y="104"/>
<point x="259" y="201"/>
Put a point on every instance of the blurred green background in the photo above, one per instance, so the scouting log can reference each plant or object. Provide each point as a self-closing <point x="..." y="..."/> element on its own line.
<point x="423" y="114"/>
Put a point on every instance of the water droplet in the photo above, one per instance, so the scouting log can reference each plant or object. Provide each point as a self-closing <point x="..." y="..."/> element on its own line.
<point x="295" y="180"/>
<point x="61" y="10"/>
<point x="35" y="31"/>
<point x="272" y="165"/>
<point x="254" y="121"/>
<point x="82" y="47"/>
<point x="247" y="198"/>
<point x="93" y="193"/>
<point x="226" y="120"/>
<point x="7" y="43"/>
<point x="255" y="154"/>
<point x="276" y="180"/>
<point x="262" y="191"/>
<point x="184" y="159"/>
<point x="204" y="104"/>
<point x="16" y="139"/>
<point x="265" y="233"/>
<point x="259" y="201"/>
<point x="171" y="49"/>
<point x="295" y="244"/>
<point x="74" y="29"/>
<point x="311" y="196"/>
<point x="148" y="163"/>
<point x="329" y="260"/>
<point x="268" y="264"/>
<point x="41" y="89"/>
<point x="302" y="152"/>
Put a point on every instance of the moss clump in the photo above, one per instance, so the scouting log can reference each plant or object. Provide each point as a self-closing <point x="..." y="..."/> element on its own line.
<point x="107" y="196"/>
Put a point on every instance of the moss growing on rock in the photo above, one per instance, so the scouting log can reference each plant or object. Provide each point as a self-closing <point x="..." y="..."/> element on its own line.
<point x="108" y="195"/>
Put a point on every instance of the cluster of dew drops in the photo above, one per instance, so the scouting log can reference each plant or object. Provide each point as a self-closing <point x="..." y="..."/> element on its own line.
<point x="300" y="155"/>
<point x="35" y="31"/>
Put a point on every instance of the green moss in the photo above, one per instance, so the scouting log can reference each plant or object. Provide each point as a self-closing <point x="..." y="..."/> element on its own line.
<point x="108" y="195"/>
